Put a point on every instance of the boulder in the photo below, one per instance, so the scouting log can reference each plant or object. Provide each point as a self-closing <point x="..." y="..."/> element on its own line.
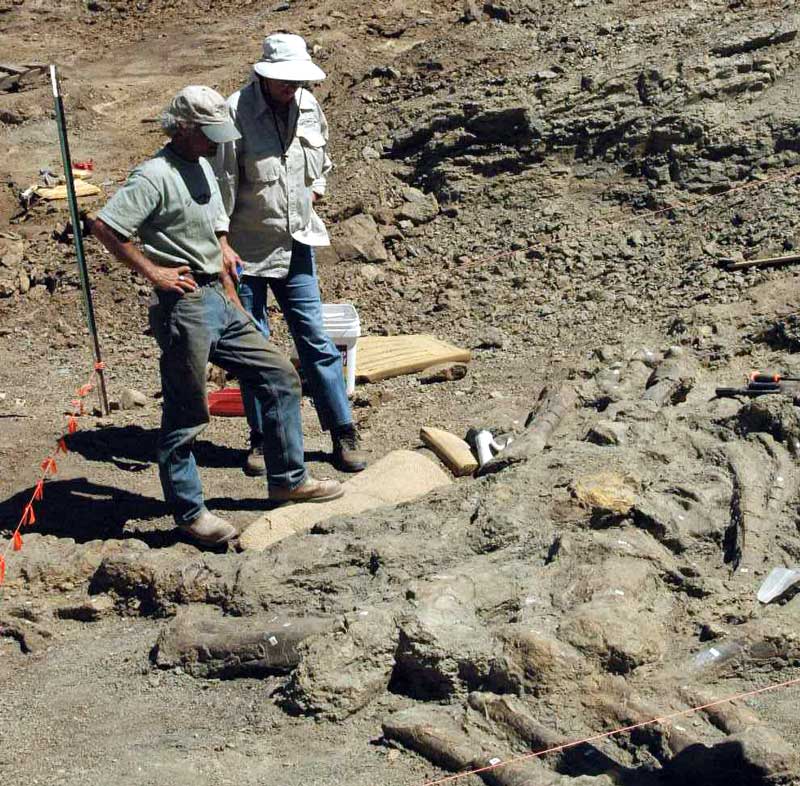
<point x="418" y="208"/>
<point x="613" y="630"/>
<point x="342" y="671"/>
<point x="48" y="562"/>
<point x="11" y="253"/>
<point x="444" y="649"/>
<point x="754" y="757"/>
<point x="132" y="399"/>
<point x="358" y="238"/>
<point x="539" y="662"/>
<point x="443" y="372"/>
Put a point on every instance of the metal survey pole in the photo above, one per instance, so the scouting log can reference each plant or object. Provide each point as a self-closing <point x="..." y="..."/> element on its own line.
<point x="77" y="234"/>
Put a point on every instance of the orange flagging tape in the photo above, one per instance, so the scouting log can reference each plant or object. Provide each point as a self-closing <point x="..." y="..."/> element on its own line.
<point x="613" y="732"/>
<point x="28" y="517"/>
<point x="48" y="467"/>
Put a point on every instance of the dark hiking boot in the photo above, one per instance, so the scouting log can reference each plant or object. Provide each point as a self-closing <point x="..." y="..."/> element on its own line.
<point x="347" y="454"/>
<point x="254" y="463"/>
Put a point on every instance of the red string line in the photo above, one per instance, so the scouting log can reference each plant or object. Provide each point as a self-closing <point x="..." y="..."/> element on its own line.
<point x="613" y="732"/>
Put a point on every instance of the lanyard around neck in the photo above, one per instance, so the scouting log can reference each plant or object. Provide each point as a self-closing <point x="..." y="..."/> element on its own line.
<point x="284" y="144"/>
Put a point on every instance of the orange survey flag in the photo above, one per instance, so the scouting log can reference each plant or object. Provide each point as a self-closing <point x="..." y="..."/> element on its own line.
<point x="17" y="540"/>
<point x="28" y="516"/>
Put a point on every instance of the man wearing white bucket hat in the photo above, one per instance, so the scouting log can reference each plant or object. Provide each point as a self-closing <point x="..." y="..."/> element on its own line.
<point x="173" y="204"/>
<point x="269" y="180"/>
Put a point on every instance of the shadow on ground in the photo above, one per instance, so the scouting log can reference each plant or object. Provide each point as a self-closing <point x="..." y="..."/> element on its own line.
<point x="84" y="510"/>
<point x="81" y="509"/>
<point x="133" y="448"/>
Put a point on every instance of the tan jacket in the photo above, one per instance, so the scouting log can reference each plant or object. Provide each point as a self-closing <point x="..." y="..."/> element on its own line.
<point x="267" y="177"/>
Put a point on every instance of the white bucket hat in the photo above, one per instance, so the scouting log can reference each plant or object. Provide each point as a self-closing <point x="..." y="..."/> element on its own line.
<point x="285" y="57"/>
<point x="206" y="108"/>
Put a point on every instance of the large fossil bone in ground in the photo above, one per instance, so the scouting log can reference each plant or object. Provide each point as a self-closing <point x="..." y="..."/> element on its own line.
<point x="207" y="644"/>
<point x="400" y="476"/>
<point x="552" y="407"/>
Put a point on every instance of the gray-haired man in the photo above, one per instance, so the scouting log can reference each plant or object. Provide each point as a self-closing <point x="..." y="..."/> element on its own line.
<point x="173" y="203"/>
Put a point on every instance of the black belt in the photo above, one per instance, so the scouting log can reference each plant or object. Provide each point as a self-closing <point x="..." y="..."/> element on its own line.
<point x="204" y="279"/>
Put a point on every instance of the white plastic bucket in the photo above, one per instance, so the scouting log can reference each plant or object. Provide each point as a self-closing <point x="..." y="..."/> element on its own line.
<point x="340" y="321"/>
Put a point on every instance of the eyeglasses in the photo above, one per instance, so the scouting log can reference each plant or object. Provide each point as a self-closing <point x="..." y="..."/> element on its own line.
<point x="287" y="83"/>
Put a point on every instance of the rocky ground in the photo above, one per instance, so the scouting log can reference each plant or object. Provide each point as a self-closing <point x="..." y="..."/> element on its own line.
<point x="549" y="185"/>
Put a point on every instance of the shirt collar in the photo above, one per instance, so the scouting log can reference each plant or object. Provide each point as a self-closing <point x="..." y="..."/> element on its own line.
<point x="262" y="107"/>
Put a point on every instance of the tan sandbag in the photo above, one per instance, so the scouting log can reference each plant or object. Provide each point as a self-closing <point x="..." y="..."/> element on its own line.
<point x="82" y="189"/>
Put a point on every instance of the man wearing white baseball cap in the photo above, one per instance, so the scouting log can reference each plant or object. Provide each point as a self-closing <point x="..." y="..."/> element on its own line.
<point x="173" y="204"/>
<point x="270" y="180"/>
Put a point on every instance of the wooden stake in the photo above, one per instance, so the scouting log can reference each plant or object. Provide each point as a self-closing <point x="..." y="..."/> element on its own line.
<point x="766" y="262"/>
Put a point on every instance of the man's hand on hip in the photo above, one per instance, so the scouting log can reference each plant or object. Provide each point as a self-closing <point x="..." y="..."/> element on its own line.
<point x="172" y="279"/>
<point x="167" y="279"/>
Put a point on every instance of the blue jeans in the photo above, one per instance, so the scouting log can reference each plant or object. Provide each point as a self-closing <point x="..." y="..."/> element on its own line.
<point x="192" y="330"/>
<point x="299" y="300"/>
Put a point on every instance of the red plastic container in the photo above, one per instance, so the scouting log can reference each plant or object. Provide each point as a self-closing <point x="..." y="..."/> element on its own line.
<point x="226" y="403"/>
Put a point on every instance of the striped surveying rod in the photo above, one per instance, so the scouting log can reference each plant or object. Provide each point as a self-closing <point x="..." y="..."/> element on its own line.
<point x="77" y="234"/>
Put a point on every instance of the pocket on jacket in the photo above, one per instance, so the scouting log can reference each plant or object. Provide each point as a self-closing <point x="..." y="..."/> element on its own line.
<point x="314" y="151"/>
<point x="262" y="170"/>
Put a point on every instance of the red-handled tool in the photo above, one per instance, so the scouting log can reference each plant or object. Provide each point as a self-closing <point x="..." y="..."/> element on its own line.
<point x="759" y="376"/>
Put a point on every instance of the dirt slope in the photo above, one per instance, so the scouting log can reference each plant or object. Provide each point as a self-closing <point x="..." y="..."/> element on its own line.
<point x="579" y="170"/>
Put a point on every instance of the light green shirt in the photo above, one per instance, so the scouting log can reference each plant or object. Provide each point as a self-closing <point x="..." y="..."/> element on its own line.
<point x="175" y="208"/>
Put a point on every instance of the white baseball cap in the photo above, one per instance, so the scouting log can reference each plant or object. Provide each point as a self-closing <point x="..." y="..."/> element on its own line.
<point x="285" y="57"/>
<point x="206" y="108"/>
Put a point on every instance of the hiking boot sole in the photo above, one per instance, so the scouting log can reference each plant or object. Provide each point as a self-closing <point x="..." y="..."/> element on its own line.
<point x="349" y="466"/>
<point x="219" y="541"/>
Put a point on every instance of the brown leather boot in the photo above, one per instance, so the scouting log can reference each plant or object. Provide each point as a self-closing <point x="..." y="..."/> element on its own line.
<point x="210" y="530"/>
<point x="347" y="454"/>
<point x="310" y="490"/>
